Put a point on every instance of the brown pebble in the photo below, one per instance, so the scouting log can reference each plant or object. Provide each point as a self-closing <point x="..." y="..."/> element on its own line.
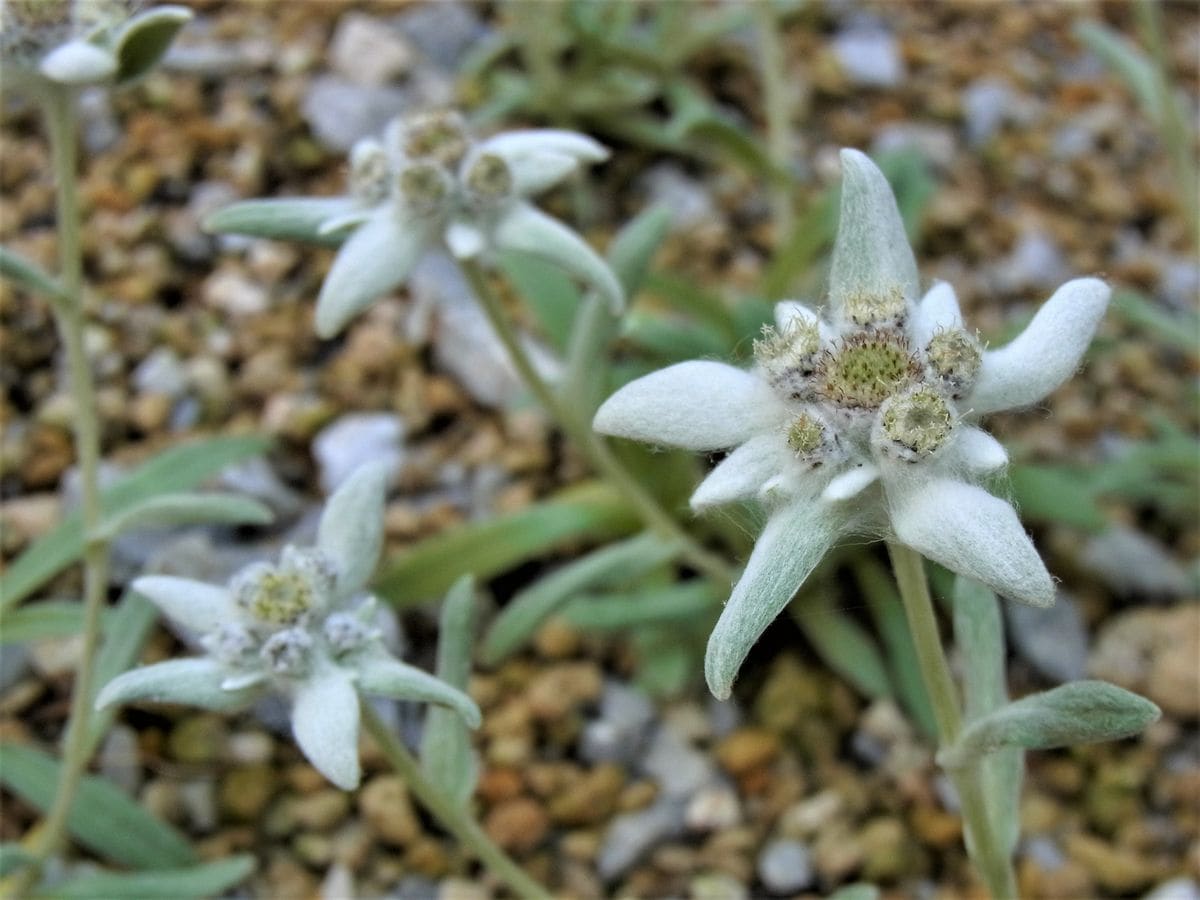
<point x="245" y="791"/>
<point x="498" y="784"/>
<point x="589" y="799"/>
<point x="518" y="824"/>
<point x="746" y="749"/>
<point x="321" y="810"/>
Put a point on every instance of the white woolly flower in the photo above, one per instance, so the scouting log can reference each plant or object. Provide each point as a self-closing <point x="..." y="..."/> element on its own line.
<point x="80" y="42"/>
<point x="861" y="422"/>
<point x="294" y="628"/>
<point x="426" y="183"/>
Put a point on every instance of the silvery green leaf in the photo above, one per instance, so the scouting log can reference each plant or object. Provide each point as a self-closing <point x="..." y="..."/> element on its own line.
<point x="446" y="754"/>
<point x="325" y="723"/>
<point x="285" y="219"/>
<point x="376" y="259"/>
<point x="979" y="635"/>
<point x="860" y="891"/>
<point x="209" y="879"/>
<point x="529" y="230"/>
<point x="533" y="605"/>
<point x="797" y="537"/>
<point x="142" y="41"/>
<point x="44" y="619"/>
<point x="184" y="509"/>
<point x="380" y="673"/>
<point x="1081" y="712"/>
<point x="78" y="62"/>
<point x="193" y="604"/>
<point x="30" y="276"/>
<point x="541" y="158"/>
<point x="195" y="682"/>
<point x="13" y="857"/>
<point x="871" y="254"/>
<point x="351" y="527"/>
<point x="634" y="246"/>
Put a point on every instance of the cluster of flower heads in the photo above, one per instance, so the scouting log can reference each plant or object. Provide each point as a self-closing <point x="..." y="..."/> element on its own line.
<point x="298" y="628"/>
<point x="428" y="184"/>
<point x="78" y="42"/>
<point x="861" y="421"/>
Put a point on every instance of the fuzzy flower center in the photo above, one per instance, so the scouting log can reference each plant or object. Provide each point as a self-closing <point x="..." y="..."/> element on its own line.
<point x="437" y="136"/>
<point x="866" y="368"/>
<point x="369" y="170"/>
<point x="955" y="357"/>
<point x="886" y="308"/>
<point x="423" y="187"/>
<point x="489" y="179"/>
<point x="917" y="422"/>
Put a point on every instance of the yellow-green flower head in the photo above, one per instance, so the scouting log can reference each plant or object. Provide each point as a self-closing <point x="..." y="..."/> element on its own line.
<point x="298" y="627"/>
<point x="862" y="421"/>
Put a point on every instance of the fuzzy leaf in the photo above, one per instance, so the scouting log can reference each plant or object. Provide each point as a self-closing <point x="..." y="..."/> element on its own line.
<point x="1081" y="712"/>
<point x="127" y="628"/>
<point x="684" y="602"/>
<point x="351" y="528"/>
<point x="446" y="754"/>
<point x="103" y="818"/>
<point x="185" y="509"/>
<point x="30" y="276"/>
<point x="206" y="880"/>
<point x="144" y="39"/>
<point x="284" y="219"/>
<point x="37" y="621"/>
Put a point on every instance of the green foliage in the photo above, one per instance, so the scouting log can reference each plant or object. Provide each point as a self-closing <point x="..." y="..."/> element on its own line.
<point x="167" y="510"/>
<point x="204" y="880"/>
<point x="841" y="642"/>
<point x="590" y="511"/>
<point x="179" y="468"/>
<point x="104" y="819"/>
<point x="30" y="276"/>
<point x="38" y="621"/>
<point x="128" y="627"/>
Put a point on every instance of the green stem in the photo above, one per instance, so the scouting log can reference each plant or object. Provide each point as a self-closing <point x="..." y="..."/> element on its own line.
<point x="983" y="844"/>
<point x="453" y="818"/>
<point x="59" y="108"/>
<point x="777" y="100"/>
<point x="592" y="446"/>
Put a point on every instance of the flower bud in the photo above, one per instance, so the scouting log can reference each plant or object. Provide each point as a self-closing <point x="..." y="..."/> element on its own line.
<point x="440" y="137"/>
<point x="287" y="652"/>
<point x="369" y="171"/>
<point x="955" y="356"/>
<point x="861" y="371"/>
<point x="488" y="180"/>
<point x="913" y="425"/>
<point x="423" y="188"/>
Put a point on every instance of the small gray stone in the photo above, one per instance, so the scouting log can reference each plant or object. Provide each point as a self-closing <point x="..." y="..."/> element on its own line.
<point x="1045" y="852"/>
<point x="785" y="866"/>
<point x="443" y="31"/>
<point x="633" y="834"/>
<point x="14" y="663"/>
<point x="118" y="758"/>
<point x="680" y="769"/>
<point x="689" y="201"/>
<point x="340" y="111"/>
<point x="162" y="372"/>
<point x="936" y="144"/>
<point x="619" y="732"/>
<point x="368" y="51"/>
<point x="987" y="104"/>
<point x="1180" y="282"/>
<point x="1054" y="641"/>
<point x="356" y="439"/>
<point x="1134" y="564"/>
<point x="869" y="55"/>
<point x="256" y="479"/>
<point x="1182" y="888"/>
<point x="713" y="808"/>
<point x="200" y="803"/>
<point x="1035" y="262"/>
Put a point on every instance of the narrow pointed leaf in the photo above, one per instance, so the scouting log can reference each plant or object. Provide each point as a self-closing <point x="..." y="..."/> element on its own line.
<point x="1081" y="712"/>
<point x="841" y="642"/>
<point x="194" y="682"/>
<point x="325" y="714"/>
<point x="446" y="754"/>
<point x="145" y="38"/>
<point x="167" y="510"/>
<point x="684" y="603"/>
<point x="284" y="219"/>
<point x="179" y="468"/>
<point x="386" y="676"/>
<point x="351" y="528"/>
<point x="531" y="607"/>
<point x="30" y="276"/>
<point x="104" y="819"/>
<point x="37" y="621"/>
<point x="128" y="627"/>
<point x="206" y="880"/>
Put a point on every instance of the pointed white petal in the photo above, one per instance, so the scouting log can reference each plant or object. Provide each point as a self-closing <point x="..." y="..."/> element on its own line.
<point x="196" y="682"/>
<point x="787" y="311"/>
<point x="850" y="483"/>
<point x="284" y="219"/>
<point x="78" y="62"/>
<point x="1046" y="353"/>
<point x="970" y="532"/>
<point x="937" y="311"/>
<point x="743" y="472"/>
<point x="379" y="673"/>
<point x="351" y="527"/>
<point x="192" y="604"/>
<point x="698" y="405"/>
<point x="529" y="230"/>
<point x="975" y="450"/>
<point x="796" y="538"/>
<point x="351" y="219"/>
<point x="376" y="259"/>
<point x="541" y="158"/>
<point x="325" y="724"/>
<point x="871" y="254"/>
<point x="464" y="239"/>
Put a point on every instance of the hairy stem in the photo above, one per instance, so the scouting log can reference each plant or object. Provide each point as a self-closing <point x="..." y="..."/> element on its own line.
<point x="453" y="818"/>
<point x="59" y="108"/>
<point x="590" y="443"/>
<point x="983" y="843"/>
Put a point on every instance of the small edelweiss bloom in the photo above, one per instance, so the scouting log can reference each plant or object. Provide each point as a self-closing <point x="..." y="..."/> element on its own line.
<point x="429" y="183"/>
<point x="80" y="42"/>
<point x="295" y="628"/>
<point x="861" y="422"/>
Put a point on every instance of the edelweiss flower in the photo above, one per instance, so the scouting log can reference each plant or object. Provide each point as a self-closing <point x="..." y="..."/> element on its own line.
<point x="428" y="181"/>
<point x="861" y="422"/>
<point x="292" y="628"/>
<point x="81" y="42"/>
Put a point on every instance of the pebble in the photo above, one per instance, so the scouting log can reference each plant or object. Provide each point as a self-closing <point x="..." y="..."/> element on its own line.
<point x="341" y="111"/>
<point x="631" y="835"/>
<point x="560" y="688"/>
<point x="198" y="740"/>
<point x="444" y="31"/>
<point x="1153" y="652"/>
<point x="717" y="886"/>
<point x="1036" y="262"/>
<point x="368" y="51"/>
<point x="1054" y="640"/>
<point x="53" y="657"/>
<point x="256" y="478"/>
<point x="714" y="808"/>
<point x="689" y="201"/>
<point x="680" y="769"/>
<point x="199" y="803"/>
<point x="162" y="372"/>
<point x="518" y="824"/>
<point x="322" y="809"/>
<point x="230" y="291"/>
<point x="987" y="104"/>
<point x="338" y="883"/>
<point x="385" y="804"/>
<point x="589" y="799"/>
<point x="246" y="790"/>
<point x="747" y="749"/>
<point x="119" y="760"/>
<point x="810" y="816"/>
<point x="869" y="55"/>
<point x="1182" y="888"/>
<point x="1133" y="564"/>
<point x="785" y="866"/>
<point x="356" y="439"/>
